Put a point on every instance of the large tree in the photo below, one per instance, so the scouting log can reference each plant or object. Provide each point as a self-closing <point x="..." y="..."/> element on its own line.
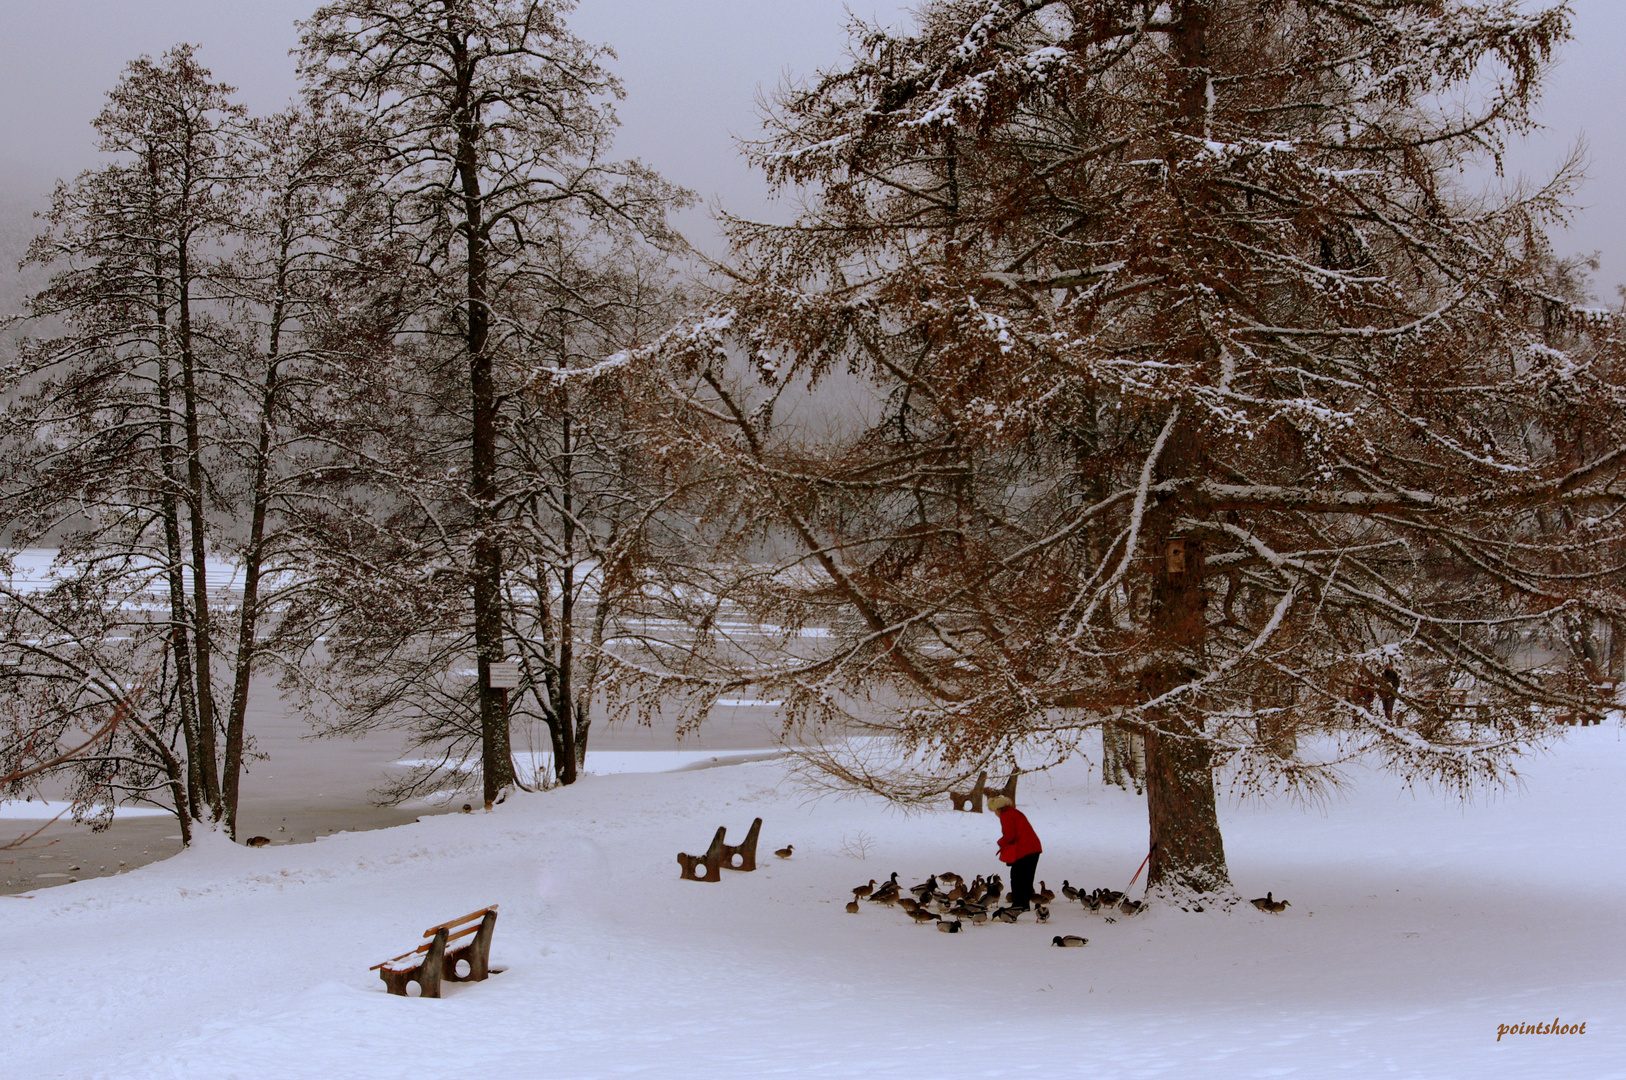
<point x="492" y="123"/>
<point x="1195" y="388"/>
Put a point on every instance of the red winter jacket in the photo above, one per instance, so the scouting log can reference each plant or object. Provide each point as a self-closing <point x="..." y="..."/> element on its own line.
<point x="1018" y="837"/>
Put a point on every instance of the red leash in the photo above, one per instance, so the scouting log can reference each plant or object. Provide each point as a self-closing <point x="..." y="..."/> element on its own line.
<point x="1136" y="878"/>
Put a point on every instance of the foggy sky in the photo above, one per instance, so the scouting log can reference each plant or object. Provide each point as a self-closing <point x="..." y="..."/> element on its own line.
<point x="692" y="70"/>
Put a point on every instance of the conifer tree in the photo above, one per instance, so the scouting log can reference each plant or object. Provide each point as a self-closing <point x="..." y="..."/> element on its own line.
<point x="1197" y="388"/>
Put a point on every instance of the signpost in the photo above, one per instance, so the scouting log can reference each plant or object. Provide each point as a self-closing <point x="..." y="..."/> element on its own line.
<point x="503" y="675"/>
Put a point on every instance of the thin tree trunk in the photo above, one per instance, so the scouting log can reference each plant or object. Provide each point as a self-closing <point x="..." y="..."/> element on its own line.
<point x="207" y="749"/>
<point x="495" y="754"/>
<point x="248" y="622"/>
<point x="565" y="763"/>
<point x="170" y="510"/>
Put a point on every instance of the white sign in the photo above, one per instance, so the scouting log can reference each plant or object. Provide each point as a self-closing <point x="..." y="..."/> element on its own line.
<point x="504" y="675"/>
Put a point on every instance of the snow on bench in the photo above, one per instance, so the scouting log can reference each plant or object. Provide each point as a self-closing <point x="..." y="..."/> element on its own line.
<point x="438" y="959"/>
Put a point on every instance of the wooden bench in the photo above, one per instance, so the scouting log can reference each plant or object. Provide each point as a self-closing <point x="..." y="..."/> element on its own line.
<point x="439" y="959"/>
<point x="721" y="855"/>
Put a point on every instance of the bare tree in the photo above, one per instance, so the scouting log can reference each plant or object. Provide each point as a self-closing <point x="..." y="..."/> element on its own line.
<point x="1194" y="391"/>
<point x="492" y="122"/>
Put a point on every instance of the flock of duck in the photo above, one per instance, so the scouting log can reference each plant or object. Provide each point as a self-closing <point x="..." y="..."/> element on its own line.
<point x="950" y="901"/>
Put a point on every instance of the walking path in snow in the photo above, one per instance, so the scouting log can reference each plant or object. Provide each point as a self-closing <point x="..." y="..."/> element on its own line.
<point x="1417" y="925"/>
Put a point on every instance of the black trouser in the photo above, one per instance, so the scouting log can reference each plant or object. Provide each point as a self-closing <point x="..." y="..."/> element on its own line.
<point x="1022" y="871"/>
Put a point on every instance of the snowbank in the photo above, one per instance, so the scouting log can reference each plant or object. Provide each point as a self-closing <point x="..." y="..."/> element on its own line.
<point x="1417" y="926"/>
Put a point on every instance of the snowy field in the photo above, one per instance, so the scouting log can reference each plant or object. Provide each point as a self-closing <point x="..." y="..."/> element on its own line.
<point x="1417" y="925"/>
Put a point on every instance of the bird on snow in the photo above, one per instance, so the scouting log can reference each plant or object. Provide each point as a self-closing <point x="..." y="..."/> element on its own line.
<point x="909" y="904"/>
<point x="1068" y="891"/>
<point x="258" y="841"/>
<point x="852" y="906"/>
<point x="1069" y="941"/>
<point x="949" y="927"/>
<point x="921" y="916"/>
<point x="1108" y="896"/>
<point x="1090" y="901"/>
<point x="979" y="917"/>
<point x="1268" y="902"/>
<point x="925" y="888"/>
<point x="1005" y="915"/>
<point x="864" y="890"/>
<point x="1131" y="907"/>
<point x="1041" y="912"/>
<point x="1045" y="895"/>
<point x="888" y="891"/>
<point x="785" y="852"/>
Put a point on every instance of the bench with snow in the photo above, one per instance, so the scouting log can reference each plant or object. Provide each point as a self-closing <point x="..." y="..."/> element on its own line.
<point x="721" y="855"/>
<point x="439" y="959"/>
<point x="971" y="801"/>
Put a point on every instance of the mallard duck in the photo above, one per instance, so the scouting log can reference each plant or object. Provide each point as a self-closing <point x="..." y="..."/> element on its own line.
<point x="865" y="890"/>
<point x="920" y="915"/>
<point x="1045" y="895"/>
<point x="1069" y="941"/>
<point x="979" y="917"/>
<point x="957" y="893"/>
<point x="1005" y="915"/>
<point x="1068" y="891"/>
<point x="1131" y="907"/>
<point x="1268" y="902"/>
<point x="908" y="903"/>
<point x="786" y="851"/>
<point x="888" y="892"/>
<point x="1041" y="913"/>
<point x="949" y="927"/>
<point x="852" y="907"/>
<point x="1089" y="901"/>
<point x="925" y="888"/>
<point x="253" y="841"/>
<point x="1108" y="896"/>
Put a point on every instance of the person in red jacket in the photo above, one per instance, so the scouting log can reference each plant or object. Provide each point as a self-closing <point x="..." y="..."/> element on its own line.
<point x="1019" y="848"/>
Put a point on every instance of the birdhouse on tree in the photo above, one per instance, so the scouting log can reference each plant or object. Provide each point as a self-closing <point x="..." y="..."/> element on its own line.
<point x="1174" y="558"/>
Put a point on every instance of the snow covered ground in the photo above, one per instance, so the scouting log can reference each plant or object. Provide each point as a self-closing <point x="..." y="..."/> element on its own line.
<point x="1417" y="925"/>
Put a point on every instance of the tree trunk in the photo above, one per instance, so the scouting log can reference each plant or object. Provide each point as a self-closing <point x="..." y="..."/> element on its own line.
<point x="496" y="761"/>
<point x="204" y="667"/>
<point x="249" y="618"/>
<point x="171" y="512"/>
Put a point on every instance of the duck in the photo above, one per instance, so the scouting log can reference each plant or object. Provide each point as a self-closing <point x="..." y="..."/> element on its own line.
<point x="1268" y="902"/>
<point x="1069" y="941"/>
<point x="888" y="891"/>
<point x="920" y="916"/>
<point x="925" y="888"/>
<point x="1045" y="895"/>
<point x="957" y="893"/>
<point x="1089" y="901"/>
<point x="865" y="890"/>
<point x="1108" y="896"/>
<point x="978" y="918"/>
<point x="952" y="879"/>
<point x="786" y="851"/>
<point x="1068" y="891"/>
<point x="949" y="927"/>
<point x="1005" y="915"/>
<point x="1131" y="907"/>
<point x="1041" y="913"/>
<point x="852" y="906"/>
<point x="253" y="841"/>
<point x="908" y="903"/>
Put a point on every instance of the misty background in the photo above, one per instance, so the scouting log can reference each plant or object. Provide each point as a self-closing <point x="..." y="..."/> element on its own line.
<point x="693" y="71"/>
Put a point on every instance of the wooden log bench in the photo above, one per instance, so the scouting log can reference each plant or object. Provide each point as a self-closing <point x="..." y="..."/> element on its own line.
<point x="971" y="802"/>
<point x="709" y="867"/>
<point x="438" y="958"/>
